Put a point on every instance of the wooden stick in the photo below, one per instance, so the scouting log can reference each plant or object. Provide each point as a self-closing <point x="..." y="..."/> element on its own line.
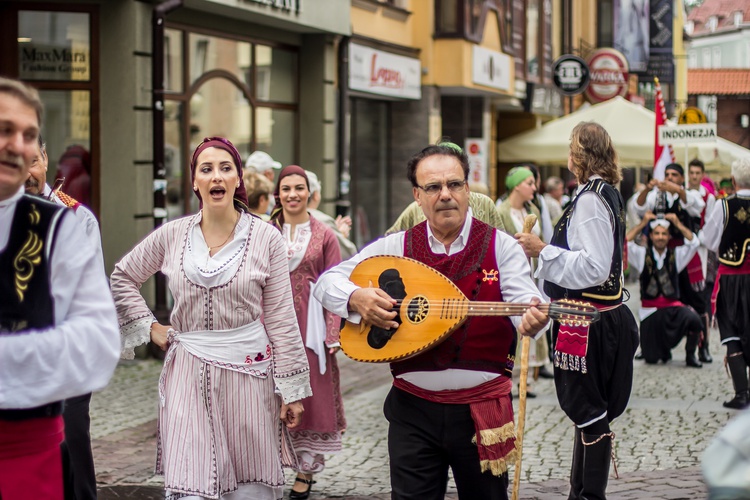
<point x="528" y="224"/>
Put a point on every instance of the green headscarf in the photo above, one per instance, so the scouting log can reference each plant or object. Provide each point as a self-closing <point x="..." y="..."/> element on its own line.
<point x="516" y="176"/>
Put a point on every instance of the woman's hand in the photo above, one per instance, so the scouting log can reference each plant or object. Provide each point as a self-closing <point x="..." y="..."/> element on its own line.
<point x="291" y="414"/>
<point x="334" y="350"/>
<point x="344" y="225"/>
<point x="160" y="335"/>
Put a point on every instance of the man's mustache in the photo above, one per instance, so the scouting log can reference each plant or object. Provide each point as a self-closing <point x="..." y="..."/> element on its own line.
<point x="16" y="160"/>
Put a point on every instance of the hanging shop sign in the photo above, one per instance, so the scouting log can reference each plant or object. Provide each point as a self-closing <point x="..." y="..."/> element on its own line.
<point x="491" y="68"/>
<point x="476" y="151"/>
<point x="570" y="74"/>
<point x="384" y="73"/>
<point x="609" y="75"/>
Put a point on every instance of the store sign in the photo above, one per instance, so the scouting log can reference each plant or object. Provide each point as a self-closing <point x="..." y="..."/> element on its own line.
<point x="570" y="74"/>
<point x="383" y="73"/>
<point x="687" y="134"/>
<point x="290" y="5"/>
<point x="609" y="75"/>
<point x="491" y="69"/>
<point x="661" y="60"/>
<point x="476" y="150"/>
<point x="51" y="62"/>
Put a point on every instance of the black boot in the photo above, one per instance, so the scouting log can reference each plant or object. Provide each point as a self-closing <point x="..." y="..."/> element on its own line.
<point x="576" y="470"/>
<point x="738" y="370"/>
<point x="690" y="345"/>
<point x="740" y="401"/>
<point x="703" y="353"/>
<point x="597" y="453"/>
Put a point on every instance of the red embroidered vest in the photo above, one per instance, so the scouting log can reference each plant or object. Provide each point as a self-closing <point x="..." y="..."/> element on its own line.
<point x="482" y="343"/>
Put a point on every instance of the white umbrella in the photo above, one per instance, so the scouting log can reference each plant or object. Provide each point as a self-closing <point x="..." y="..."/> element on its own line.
<point x="631" y="127"/>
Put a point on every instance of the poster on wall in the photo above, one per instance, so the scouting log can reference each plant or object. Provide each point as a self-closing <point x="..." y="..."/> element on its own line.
<point x="660" y="61"/>
<point x="476" y="150"/>
<point x="383" y="73"/>
<point x="631" y="32"/>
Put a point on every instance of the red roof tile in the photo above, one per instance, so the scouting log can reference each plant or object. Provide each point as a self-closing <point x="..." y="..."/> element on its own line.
<point x="723" y="9"/>
<point x="718" y="81"/>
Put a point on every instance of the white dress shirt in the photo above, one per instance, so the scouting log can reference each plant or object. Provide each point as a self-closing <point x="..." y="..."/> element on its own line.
<point x="713" y="229"/>
<point x="591" y="242"/>
<point x="334" y="289"/>
<point x="79" y="353"/>
<point x="86" y="218"/>
<point x="693" y="205"/>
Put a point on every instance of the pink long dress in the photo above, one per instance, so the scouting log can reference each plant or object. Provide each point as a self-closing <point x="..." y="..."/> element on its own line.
<point x="323" y="420"/>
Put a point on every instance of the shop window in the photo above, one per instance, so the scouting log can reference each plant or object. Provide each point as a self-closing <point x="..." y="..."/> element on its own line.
<point x="211" y="52"/>
<point x="447" y="18"/>
<point x="54" y="46"/>
<point x="240" y="89"/>
<point x="605" y="23"/>
<point x="66" y="129"/>
<point x="276" y="74"/>
<point x="173" y="61"/>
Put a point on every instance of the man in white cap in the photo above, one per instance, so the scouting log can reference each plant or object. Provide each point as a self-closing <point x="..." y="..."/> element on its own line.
<point x="665" y="319"/>
<point x="262" y="163"/>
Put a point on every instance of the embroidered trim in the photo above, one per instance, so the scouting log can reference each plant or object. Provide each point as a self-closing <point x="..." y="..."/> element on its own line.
<point x="135" y="333"/>
<point x="294" y="387"/>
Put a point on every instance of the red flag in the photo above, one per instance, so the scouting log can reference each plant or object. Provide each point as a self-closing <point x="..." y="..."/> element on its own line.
<point x="663" y="155"/>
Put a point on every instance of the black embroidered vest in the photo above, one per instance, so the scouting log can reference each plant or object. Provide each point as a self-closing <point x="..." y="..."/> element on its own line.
<point x="482" y="343"/>
<point x="27" y="302"/>
<point x="735" y="240"/>
<point x="609" y="292"/>
<point x="662" y="282"/>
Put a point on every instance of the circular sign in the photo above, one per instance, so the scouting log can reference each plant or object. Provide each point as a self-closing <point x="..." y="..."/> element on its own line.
<point x="692" y="115"/>
<point x="609" y="75"/>
<point x="570" y="74"/>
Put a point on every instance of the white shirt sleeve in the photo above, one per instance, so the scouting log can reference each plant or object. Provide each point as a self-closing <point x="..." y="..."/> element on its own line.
<point x="79" y="353"/>
<point x="685" y="252"/>
<point x="713" y="229"/>
<point x="591" y="242"/>
<point x="636" y="257"/>
<point x="650" y="203"/>
<point x="694" y="204"/>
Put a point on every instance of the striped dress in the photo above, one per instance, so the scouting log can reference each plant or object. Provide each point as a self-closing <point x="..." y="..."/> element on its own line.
<point x="219" y="430"/>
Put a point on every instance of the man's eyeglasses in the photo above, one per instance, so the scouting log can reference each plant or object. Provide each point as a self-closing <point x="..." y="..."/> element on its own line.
<point x="434" y="189"/>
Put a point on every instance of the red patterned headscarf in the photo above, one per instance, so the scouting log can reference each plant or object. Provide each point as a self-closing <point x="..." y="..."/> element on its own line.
<point x="277" y="217"/>
<point x="240" y="195"/>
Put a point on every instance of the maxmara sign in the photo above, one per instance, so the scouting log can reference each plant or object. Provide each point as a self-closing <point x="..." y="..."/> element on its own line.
<point x="383" y="73"/>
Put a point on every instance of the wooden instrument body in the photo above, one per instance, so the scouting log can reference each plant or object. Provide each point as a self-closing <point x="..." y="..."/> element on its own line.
<point x="431" y="310"/>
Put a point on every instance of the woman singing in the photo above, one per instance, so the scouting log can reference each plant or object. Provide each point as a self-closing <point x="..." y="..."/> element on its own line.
<point x="312" y="248"/>
<point x="230" y="382"/>
<point x="593" y="365"/>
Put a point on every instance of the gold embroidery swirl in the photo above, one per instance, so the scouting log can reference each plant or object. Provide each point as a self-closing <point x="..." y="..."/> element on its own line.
<point x="28" y="257"/>
<point x="34" y="215"/>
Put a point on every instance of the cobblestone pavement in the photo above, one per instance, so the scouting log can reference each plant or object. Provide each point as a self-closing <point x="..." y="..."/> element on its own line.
<point x="674" y="412"/>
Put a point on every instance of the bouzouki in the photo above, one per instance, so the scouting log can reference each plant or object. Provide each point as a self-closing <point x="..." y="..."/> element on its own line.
<point x="430" y="307"/>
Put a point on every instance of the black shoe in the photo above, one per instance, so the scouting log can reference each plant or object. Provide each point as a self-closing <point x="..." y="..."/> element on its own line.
<point x="691" y="361"/>
<point x="301" y="495"/>
<point x="704" y="355"/>
<point x="741" y="400"/>
<point x="545" y="373"/>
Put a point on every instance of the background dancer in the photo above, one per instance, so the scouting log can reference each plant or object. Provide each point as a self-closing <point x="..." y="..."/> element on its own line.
<point x="665" y="321"/>
<point x="727" y="231"/>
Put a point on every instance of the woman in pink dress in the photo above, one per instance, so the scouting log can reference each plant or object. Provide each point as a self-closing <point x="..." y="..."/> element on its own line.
<point x="235" y="371"/>
<point x="312" y="248"/>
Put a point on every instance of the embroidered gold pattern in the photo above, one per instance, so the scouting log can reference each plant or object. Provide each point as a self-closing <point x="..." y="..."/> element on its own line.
<point x="742" y="215"/>
<point x="28" y="257"/>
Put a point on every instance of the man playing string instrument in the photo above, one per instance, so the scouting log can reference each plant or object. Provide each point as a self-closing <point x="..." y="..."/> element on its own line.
<point x="450" y="406"/>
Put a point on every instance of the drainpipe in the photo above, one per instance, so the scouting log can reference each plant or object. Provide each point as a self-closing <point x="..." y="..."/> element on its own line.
<point x="343" y="204"/>
<point x="157" y="99"/>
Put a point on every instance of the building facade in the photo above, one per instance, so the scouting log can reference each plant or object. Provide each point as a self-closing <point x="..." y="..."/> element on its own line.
<point x="260" y="72"/>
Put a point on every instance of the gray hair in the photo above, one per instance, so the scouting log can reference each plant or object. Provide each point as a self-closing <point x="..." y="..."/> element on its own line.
<point x="312" y="180"/>
<point x="741" y="172"/>
<point x="552" y="183"/>
<point x="24" y="93"/>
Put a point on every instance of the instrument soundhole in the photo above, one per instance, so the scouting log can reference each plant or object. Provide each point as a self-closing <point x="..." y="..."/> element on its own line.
<point x="418" y="309"/>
